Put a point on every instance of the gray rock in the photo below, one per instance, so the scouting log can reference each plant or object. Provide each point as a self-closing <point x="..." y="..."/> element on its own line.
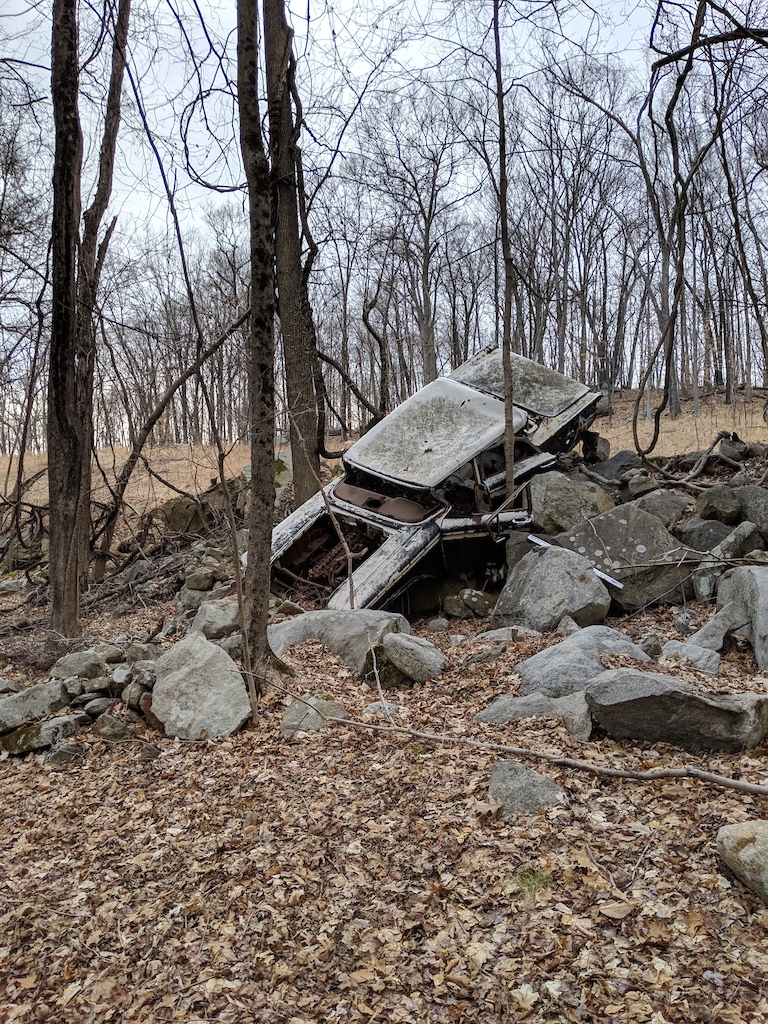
<point x="98" y="706"/>
<point x="719" y="502"/>
<point x="35" y="702"/>
<point x="567" y="626"/>
<point x="111" y="652"/>
<point x="438" y="626"/>
<point x="548" y="584"/>
<point x="618" y="464"/>
<point x="640" y="484"/>
<point x="478" y="602"/>
<point x="516" y="548"/>
<point x="198" y="578"/>
<point x="348" y="634"/>
<point x="572" y="709"/>
<point x="140" y="570"/>
<point x="744" y="848"/>
<point x="702" y="658"/>
<point x="87" y="664"/>
<point x="730" y="618"/>
<point x="382" y="708"/>
<point x="132" y="694"/>
<point x="64" y="753"/>
<point x="41" y="735"/>
<point x="655" y="708"/>
<point x="568" y="666"/>
<point x="559" y="502"/>
<point x="233" y="645"/>
<point x="506" y="633"/>
<point x="741" y="541"/>
<point x="701" y="534"/>
<point x="122" y="675"/>
<point x="521" y="790"/>
<point x="216" y="619"/>
<point x="414" y="656"/>
<point x="651" y="645"/>
<point x="747" y="588"/>
<point x="199" y="691"/>
<point x="142" y="652"/>
<point x="754" y="506"/>
<point x="12" y="585"/>
<point x="9" y="686"/>
<point x="112" y="730"/>
<point x="668" y="506"/>
<point x="311" y="714"/>
<point x="188" y="600"/>
<point x="635" y="548"/>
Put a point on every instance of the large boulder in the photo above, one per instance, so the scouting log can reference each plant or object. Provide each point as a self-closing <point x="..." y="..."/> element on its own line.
<point x="572" y="709"/>
<point x="654" y="708"/>
<point x="41" y="735"/>
<point x="701" y="534"/>
<point x="216" y="619"/>
<point x="310" y="714"/>
<point x="548" y="584"/>
<point x="746" y="587"/>
<point x="568" y="666"/>
<point x="414" y="656"/>
<point x="348" y="634"/>
<point x="668" y="506"/>
<point x="199" y="692"/>
<point x="85" y="664"/>
<point x="558" y="501"/>
<point x="634" y="547"/>
<point x="522" y="790"/>
<point x="754" y="506"/>
<point x="744" y="540"/>
<point x="744" y="848"/>
<point x="719" y="502"/>
<point x="35" y="702"/>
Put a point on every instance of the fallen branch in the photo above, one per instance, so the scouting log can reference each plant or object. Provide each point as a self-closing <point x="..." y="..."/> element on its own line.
<point x="655" y="775"/>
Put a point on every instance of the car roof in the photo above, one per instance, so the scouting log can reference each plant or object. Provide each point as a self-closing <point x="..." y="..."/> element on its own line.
<point x="432" y="434"/>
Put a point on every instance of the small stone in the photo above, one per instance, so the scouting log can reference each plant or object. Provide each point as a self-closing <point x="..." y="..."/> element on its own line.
<point x="9" y="686"/>
<point x="567" y="626"/>
<point x="112" y="729"/>
<point x="384" y="708"/>
<point x="65" y="753"/>
<point x="651" y="645"/>
<point x="122" y="675"/>
<point x="744" y="848"/>
<point x="457" y="639"/>
<point x="145" y="706"/>
<point x="438" y="626"/>
<point x="98" y="706"/>
<point x="132" y="694"/>
<point x="702" y="658"/>
<point x="311" y="714"/>
<point x="88" y="664"/>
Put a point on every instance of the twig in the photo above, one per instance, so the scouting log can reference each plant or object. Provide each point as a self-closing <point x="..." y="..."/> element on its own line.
<point x="606" y="872"/>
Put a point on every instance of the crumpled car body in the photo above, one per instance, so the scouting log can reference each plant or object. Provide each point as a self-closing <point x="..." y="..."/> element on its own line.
<point x="423" y="494"/>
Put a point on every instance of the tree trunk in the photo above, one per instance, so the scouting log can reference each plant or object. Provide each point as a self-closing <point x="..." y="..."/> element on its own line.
<point x="262" y="343"/>
<point x="293" y="301"/>
<point x="69" y="448"/>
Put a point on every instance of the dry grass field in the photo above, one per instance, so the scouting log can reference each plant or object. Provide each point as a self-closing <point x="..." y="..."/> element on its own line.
<point x="194" y="467"/>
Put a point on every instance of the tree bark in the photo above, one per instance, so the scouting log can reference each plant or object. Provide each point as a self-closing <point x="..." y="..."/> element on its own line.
<point x="261" y="346"/>
<point x="68" y="441"/>
<point x="299" y="348"/>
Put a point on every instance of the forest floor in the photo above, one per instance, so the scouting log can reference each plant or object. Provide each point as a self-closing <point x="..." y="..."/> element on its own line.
<point x="363" y="874"/>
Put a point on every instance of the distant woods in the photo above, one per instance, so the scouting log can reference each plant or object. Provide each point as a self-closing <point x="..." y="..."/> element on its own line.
<point x="636" y="202"/>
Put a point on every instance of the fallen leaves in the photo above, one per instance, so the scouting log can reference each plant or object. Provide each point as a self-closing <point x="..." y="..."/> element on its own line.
<point x="368" y="877"/>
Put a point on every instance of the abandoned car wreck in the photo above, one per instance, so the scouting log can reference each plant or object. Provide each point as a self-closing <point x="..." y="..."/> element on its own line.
<point x="423" y="494"/>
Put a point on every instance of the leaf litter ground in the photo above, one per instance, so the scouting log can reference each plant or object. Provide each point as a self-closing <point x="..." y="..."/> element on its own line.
<point x="365" y="876"/>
